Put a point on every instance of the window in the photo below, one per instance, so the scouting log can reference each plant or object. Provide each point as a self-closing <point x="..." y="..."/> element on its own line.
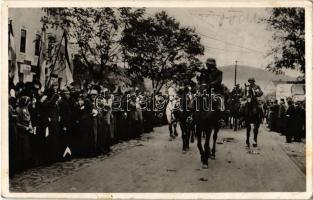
<point x="37" y="45"/>
<point x="23" y="41"/>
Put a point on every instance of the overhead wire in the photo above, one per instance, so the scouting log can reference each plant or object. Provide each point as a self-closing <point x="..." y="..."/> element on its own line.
<point x="226" y="42"/>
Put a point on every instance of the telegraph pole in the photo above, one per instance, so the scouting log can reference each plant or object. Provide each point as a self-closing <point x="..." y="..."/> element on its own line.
<point x="236" y="72"/>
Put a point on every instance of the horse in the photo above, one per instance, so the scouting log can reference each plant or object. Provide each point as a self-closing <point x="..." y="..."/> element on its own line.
<point x="235" y="117"/>
<point x="252" y="115"/>
<point x="172" y="106"/>
<point x="206" y="116"/>
<point x="185" y="119"/>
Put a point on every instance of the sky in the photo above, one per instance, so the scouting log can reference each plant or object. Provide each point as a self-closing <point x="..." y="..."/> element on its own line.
<point x="228" y="34"/>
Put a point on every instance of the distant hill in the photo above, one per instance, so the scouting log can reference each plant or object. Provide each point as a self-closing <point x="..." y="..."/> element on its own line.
<point x="263" y="78"/>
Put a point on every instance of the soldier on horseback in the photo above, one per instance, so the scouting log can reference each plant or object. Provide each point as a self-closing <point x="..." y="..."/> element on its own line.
<point x="234" y="107"/>
<point x="252" y="109"/>
<point x="237" y="93"/>
<point x="208" y="118"/>
<point x="211" y="78"/>
<point x="257" y="92"/>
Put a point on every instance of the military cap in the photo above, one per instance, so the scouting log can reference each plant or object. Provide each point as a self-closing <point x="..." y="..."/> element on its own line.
<point x="211" y="61"/>
<point x="93" y="92"/>
<point x="251" y="79"/>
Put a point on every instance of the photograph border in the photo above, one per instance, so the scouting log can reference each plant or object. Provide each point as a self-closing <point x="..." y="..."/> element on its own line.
<point x="166" y="3"/>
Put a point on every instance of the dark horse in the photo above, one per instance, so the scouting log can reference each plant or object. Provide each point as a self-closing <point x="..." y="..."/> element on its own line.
<point x="234" y="115"/>
<point x="252" y="115"/>
<point x="206" y="115"/>
<point x="185" y="119"/>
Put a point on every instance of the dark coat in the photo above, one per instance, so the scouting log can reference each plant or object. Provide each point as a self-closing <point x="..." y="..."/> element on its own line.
<point x="290" y="122"/>
<point x="66" y="124"/>
<point x="23" y="135"/>
<point x="53" y="139"/>
<point x="86" y="140"/>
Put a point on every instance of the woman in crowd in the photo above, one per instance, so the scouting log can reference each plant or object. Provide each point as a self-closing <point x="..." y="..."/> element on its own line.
<point x="24" y="133"/>
<point x="48" y="126"/>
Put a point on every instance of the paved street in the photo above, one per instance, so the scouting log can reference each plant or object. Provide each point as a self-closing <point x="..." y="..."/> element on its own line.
<point x="155" y="164"/>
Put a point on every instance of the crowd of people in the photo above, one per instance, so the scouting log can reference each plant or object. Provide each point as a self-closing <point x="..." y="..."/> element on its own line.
<point x="287" y="118"/>
<point x="51" y="125"/>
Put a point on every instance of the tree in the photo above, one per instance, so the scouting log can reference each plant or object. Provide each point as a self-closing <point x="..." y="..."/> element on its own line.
<point x="157" y="47"/>
<point x="288" y="27"/>
<point x="93" y="30"/>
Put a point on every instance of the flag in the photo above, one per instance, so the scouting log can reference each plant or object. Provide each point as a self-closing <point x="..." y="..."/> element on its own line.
<point x="65" y="63"/>
<point x="13" y="69"/>
<point x="42" y="59"/>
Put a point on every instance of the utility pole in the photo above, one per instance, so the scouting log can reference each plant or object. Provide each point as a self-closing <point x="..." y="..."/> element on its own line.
<point x="236" y="72"/>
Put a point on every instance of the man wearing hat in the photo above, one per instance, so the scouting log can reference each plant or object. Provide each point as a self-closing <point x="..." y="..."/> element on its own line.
<point x="66" y="124"/>
<point x="255" y="88"/>
<point x="256" y="91"/>
<point x="237" y="92"/>
<point x="211" y="76"/>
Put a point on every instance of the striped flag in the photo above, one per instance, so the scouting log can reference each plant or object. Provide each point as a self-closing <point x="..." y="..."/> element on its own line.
<point x="13" y="69"/>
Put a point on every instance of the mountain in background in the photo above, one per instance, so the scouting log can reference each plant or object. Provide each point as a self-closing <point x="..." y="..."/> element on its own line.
<point x="263" y="78"/>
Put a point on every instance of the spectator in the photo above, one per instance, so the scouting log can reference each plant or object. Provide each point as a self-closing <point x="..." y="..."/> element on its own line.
<point x="281" y="116"/>
<point x="290" y="130"/>
<point x="24" y="133"/>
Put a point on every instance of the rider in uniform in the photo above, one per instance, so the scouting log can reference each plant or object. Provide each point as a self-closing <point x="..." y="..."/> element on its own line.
<point x="255" y="88"/>
<point x="237" y="92"/>
<point x="211" y="78"/>
<point x="257" y="92"/>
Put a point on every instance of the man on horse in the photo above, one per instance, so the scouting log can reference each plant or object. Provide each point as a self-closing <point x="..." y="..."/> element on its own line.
<point x="255" y="88"/>
<point x="237" y="93"/>
<point x="234" y="106"/>
<point x="252" y="109"/>
<point x="211" y="78"/>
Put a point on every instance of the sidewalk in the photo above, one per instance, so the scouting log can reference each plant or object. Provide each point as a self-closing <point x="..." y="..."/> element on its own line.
<point x="295" y="150"/>
<point x="29" y="180"/>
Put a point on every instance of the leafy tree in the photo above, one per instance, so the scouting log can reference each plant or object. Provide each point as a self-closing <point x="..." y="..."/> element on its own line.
<point x="157" y="47"/>
<point x="93" y="30"/>
<point x="289" y="34"/>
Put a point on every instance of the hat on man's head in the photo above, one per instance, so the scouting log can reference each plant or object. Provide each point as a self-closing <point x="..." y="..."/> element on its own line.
<point x="251" y="79"/>
<point x="210" y="61"/>
<point x="93" y="92"/>
<point x="65" y="90"/>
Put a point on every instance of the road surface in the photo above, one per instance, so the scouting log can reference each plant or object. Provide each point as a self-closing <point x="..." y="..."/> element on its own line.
<point x="158" y="165"/>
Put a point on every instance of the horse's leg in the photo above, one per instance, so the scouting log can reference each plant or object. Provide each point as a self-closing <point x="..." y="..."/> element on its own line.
<point x="183" y="135"/>
<point x="248" y="127"/>
<point x="192" y="131"/>
<point x="187" y="135"/>
<point x="216" y="129"/>
<point x="236" y="123"/>
<point x="207" y="152"/>
<point x="175" y="128"/>
<point x="199" y="142"/>
<point x="256" y="131"/>
<point x="170" y="127"/>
